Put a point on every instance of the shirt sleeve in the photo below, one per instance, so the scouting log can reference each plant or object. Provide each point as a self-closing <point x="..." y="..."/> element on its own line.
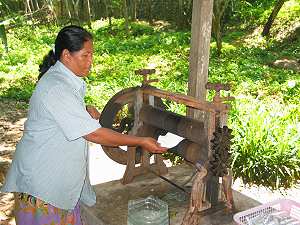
<point x="68" y="110"/>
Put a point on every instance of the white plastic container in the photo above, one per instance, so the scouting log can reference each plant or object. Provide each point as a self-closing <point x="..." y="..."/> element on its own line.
<point x="148" y="211"/>
<point x="290" y="207"/>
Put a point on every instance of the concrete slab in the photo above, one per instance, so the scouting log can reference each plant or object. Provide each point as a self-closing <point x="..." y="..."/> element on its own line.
<point x="113" y="197"/>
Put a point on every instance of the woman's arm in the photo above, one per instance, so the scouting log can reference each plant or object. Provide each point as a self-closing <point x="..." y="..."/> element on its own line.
<point x="105" y="136"/>
<point x="93" y="112"/>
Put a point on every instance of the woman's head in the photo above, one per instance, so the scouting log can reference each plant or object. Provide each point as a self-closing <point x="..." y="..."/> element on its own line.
<point x="72" y="45"/>
<point x="71" y="38"/>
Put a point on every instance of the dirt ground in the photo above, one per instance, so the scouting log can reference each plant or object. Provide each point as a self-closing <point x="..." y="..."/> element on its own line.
<point x="12" y="118"/>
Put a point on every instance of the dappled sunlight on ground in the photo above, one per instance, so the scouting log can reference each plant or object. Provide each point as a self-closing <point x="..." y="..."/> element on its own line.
<point x="6" y="209"/>
<point x="12" y="118"/>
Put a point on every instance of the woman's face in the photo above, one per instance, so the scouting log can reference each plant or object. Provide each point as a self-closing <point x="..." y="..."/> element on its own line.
<point x="80" y="62"/>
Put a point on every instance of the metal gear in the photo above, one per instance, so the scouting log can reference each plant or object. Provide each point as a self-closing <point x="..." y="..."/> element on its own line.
<point x="220" y="147"/>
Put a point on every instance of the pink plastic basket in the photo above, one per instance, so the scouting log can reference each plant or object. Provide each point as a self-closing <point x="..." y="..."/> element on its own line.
<point x="289" y="206"/>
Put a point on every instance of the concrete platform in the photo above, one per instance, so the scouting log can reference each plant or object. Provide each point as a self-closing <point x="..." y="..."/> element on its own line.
<point x="113" y="197"/>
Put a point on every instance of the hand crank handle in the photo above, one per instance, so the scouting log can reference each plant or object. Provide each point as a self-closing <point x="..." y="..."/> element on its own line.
<point x="217" y="87"/>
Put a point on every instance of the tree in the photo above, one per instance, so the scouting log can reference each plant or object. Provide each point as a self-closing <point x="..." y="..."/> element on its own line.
<point x="89" y="14"/>
<point x="4" y="8"/>
<point x="218" y="13"/>
<point x="3" y="36"/>
<point x="108" y="11"/>
<point x="125" y="12"/>
<point x="133" y="10"/>
<point x="27" y="6"/>
<point x="268" y="25"/>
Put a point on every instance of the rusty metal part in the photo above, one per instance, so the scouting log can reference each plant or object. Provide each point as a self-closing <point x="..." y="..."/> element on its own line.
<point x="170" y="182"/>
<point x="191" y="152"/>
<point x="217" y="87"/>
<point x="174" y="123"/>
<point x="144" y="71"/>
<point x="220" y="160"/>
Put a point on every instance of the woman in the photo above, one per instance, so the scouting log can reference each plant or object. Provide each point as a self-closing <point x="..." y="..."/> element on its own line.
<point x="49" y="171"/>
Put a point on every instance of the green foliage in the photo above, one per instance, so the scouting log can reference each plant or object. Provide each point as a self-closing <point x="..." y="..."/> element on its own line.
<point x="119" y="54"/>
<point x="265" y="116"/>
<point x="249" y="13"/>
<point x="19" y="89"/>
<point x="267" y="141"/>
<point x="19" y="66"/>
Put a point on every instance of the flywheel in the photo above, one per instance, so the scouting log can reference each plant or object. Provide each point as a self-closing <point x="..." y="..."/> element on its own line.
<point x="118" y="115"/>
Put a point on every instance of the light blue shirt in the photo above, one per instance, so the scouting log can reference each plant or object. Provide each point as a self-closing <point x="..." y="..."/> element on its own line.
<point x="50" y="161"/>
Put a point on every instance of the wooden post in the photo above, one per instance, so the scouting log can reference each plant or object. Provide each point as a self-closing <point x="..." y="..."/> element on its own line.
<point x="198" y="77"/>
<point x="199" y="53"/>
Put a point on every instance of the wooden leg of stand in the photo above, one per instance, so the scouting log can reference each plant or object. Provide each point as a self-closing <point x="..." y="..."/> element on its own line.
<point x="129" y="172"/>
<point x="227" y="183"/>
<point x="160" y="165"/>
<point x="192" y="216"/>
<point x="145" y="161"/>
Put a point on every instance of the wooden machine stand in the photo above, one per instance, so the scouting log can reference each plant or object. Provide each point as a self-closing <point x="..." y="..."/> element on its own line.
<point x="147" y="116"/>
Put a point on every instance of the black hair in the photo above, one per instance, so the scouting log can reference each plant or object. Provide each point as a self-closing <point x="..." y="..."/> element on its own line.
<point x="71" y="38"/>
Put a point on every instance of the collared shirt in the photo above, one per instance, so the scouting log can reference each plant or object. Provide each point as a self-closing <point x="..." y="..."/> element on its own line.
<point x="50" y="161"/>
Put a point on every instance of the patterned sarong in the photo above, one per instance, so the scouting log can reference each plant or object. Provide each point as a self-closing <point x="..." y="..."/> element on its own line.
<point x="30" y="210"/>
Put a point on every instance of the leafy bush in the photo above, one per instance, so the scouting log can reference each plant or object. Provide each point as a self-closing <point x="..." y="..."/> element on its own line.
<point x="19" y="89"/>
<point x="266" y="143"/>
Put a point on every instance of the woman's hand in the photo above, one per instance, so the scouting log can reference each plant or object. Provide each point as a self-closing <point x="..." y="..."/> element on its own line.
<point x="93" y="112"/>
<point x="151" y="145"/>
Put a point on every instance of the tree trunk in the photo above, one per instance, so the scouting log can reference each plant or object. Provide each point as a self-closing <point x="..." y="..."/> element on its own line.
<point x="3" y="37"/>
<point x="68" y="9"/>
<point x="179" y="18"/>
<point x="89" y="14"/>
<point x="37" y="4"/>
<point x="32" y="6"/>
<point x="107" y="4"/>
<point x="133" y="10"/>
<point x="218" y="13"/>
<point x="62" y="10"/>
<point x="27" y="6"/>
<point x="136" y="3"/>
<point x="149" y="6"/>
<point x="125" y="11"/>
<point x="218" y="35"/>
<point x="268" y="25"/>
<point x="52" y="9"/>
<point x="4" y="12"/>
<point x="76" y="18"/>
